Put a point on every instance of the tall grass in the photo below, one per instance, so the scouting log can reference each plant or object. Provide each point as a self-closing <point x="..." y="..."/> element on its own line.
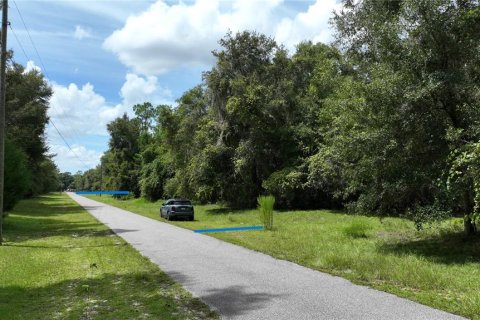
<point x="358" y="228"/>
<point x="265" y="207"/>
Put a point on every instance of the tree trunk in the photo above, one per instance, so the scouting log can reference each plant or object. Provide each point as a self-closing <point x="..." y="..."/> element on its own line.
<point x="469" y="227"/>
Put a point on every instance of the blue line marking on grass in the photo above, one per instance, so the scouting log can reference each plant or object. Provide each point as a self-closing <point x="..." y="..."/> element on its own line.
<point x="103" y="192"/>
<point x="229" y="229"/>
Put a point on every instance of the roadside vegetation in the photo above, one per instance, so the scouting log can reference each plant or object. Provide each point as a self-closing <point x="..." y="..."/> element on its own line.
<point x="265" y="208"/>
<point x="58" y="262"/>
<point x="28" y="167"/>
<point x="385" y="120"/>
<point x="436" y="266"/>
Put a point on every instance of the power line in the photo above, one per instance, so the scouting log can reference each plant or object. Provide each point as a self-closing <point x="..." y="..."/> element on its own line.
<point x="19" y="43"/>
<point x="30" y="37"/>
<point x="73" y="131"/>
<point x="68" y="145"/>
<point x="46" y="74"/>
<point x="50" y="120"/>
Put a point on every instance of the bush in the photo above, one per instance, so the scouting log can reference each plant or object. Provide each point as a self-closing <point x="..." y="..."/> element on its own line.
<point x="292" y="189"/>
<point x="265" y="207"/>
<point x="17" y="176"/>
<point x="422" y="215"/>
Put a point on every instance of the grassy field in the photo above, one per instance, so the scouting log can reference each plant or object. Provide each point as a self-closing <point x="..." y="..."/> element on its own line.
<point x="438" y="266"/>
<point x="59" y="262"/>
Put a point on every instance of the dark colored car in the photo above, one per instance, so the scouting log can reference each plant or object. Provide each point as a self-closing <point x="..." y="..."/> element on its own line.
<point x="177" y="209"/>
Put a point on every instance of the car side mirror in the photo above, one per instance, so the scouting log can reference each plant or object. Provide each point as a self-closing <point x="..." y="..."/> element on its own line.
<point x="163" y="204"/>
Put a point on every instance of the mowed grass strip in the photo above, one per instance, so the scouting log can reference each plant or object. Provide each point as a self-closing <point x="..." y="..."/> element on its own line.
<point x="59" y="262"/>
<point x="438" y="266"/>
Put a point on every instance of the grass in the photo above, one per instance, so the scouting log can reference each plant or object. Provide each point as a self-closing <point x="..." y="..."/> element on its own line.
<point x="358" y="228"/>
<point x="438" y="266"/>
<point x="58" y="262"/>
<point x="265" y="208"/>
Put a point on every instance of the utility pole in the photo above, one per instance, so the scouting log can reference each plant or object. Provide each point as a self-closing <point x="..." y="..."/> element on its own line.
<point x="101" y="176"/>
<point x="3" y="64"/>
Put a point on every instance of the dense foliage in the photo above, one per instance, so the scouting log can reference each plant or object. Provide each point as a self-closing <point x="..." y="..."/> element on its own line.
<point x="17" y="176"/>
<point x="385" y="120"/>
<point x="29" y="169"/>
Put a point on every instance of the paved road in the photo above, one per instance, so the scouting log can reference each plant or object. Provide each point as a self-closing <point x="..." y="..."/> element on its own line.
<point x="244" y="284"/>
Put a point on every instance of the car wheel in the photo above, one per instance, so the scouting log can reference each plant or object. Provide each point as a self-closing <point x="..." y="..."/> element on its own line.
<point x="191" y="218"/>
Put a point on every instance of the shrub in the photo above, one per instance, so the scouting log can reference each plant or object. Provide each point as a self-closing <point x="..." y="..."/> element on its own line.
<point x="422" y="215"/>
<point x="265" y="207"/>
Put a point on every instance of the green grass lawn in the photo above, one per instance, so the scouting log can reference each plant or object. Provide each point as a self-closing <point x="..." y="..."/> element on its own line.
<point x="438" y="266"/>
<point x="58" y="262"/>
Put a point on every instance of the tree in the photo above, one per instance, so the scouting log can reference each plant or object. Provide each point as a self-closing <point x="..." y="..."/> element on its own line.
<point x="154" y="175"/>
<point x="17" y="176"/>
<point x="27" y="98"/>
<point x="316" y="70"/>
<point x="250" y="95"/>
<point x="145" y="113"/>
<point x="121" y="162"/>
<point x="181" y="132"/>
<point x="78" y="181"/>
<point x="66" y="180"/>
<point x="411" y="104"/>
<point x="49" y="181"/>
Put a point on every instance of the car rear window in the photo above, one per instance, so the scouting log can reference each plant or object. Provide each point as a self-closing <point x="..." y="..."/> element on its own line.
<point x="182" y="203"/>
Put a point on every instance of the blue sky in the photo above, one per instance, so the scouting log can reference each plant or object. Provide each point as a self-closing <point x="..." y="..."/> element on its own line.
<point x="102" y="57"/>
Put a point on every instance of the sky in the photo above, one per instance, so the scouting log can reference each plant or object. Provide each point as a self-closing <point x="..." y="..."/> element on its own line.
<point x="102" y="57"/>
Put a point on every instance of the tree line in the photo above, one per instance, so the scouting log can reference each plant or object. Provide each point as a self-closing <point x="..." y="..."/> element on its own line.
<point x="384" y="120"/>
<point x="29" y="168"/>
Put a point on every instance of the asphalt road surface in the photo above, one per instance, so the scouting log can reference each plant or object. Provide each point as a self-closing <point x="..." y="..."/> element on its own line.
<point x="243" y="284"/>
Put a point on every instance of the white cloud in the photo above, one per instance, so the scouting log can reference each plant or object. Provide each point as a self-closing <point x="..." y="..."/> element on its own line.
<point x="184" y="34"/>
<point x="310" y="25"/>
<point x="166" y="36"/>
<point x="81" y="33"/>
<point x="138" y="89"/>
<point x="81" y="114"/>
<point x="80" y="111"/>
<point x="77" y="158"/>
<point x="31" y="66"/>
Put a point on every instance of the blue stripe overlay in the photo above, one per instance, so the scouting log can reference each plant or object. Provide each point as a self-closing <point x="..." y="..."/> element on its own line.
<point x="102" y="192"/>
<point x="229" y="229"/>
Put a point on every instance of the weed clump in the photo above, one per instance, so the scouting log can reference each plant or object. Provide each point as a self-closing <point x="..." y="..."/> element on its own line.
<point x="357" y="229"/>
<point x="265" y="207"/>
